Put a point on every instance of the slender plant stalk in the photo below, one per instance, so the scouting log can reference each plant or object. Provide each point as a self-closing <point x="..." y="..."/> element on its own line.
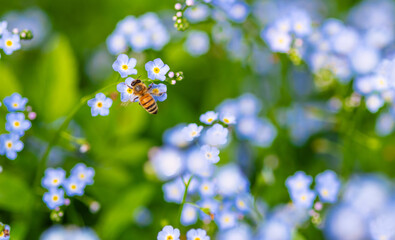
<point x="184" y="197"/>
<point x="43" y="161"/>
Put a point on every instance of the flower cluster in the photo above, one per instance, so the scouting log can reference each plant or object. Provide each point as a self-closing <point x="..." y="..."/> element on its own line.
<point x="142" y="33"/>
<point x="156" y="70"/>
<point x="10" y="41"/>
<point x="4" y="231"/>
<point x="16" y="125"/>
<point x="168" y="232"/>
<point x="366" y="210"/>
<point x="189" y="160"/>
<point x="327" y="187"/>
<point x="57" y="184"/>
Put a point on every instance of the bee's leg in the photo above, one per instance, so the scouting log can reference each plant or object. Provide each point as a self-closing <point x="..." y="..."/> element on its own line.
<point x="150" y="87"/>
<point x="136" y="98"/>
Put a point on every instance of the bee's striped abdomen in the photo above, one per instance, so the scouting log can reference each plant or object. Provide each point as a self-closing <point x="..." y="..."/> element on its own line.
<point x="148" y="103"/>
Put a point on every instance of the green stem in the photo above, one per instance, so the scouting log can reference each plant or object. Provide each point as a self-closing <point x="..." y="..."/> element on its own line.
<point x="184" y="197"/>
<point x="43" y="162"/>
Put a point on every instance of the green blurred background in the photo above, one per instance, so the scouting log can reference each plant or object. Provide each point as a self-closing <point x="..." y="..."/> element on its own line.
<point x="53" y="77"/>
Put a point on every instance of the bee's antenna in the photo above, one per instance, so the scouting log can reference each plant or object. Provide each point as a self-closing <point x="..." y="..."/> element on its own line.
<point x="139" y="77"/>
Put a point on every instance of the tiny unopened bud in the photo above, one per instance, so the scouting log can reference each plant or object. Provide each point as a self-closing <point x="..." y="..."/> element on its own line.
<point x="1" y="169"/>
<point x="318" y="206"/>
<point x="179" y="21"/>
<point x="15" y="31"/>
<point x="94" y="207"/>
<point x="66" y="202"/>
<point x="32" y="115"/>
<point x="174" y="18"/>
<point x="84" y="148"/>
<point x="171" y="74"/>
<point x="178" y="6"/>
<point x="60" y="214"/>
<point x="179" y="14"/>
<point x="189" y="2"/>
<point x="173" y="82"/>
<point x="29" y="108"/>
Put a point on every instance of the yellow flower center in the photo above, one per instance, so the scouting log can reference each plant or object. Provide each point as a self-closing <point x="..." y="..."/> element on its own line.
<point x="298" y="26"/>
<point x="303" y="198"/>
<point x="99" y="104"/>
<point x="205" y="188"/>
<point x="226" y="120"/>
<point x="169" y="237"/>
<point x="226" y="219"/>
<point x="8" y="43"/>
<point x="9" y="144"/>
<point x="193" y="133"/>
<point x="55" y="181"/>
<point x="82" y="176"/>
<point x="15" y="105"/>
<point x="156" y="70"/>
<point x="17" y="123"/>
<point x="125" y="67"/>
<point x="1" y="234"/>
<point x="73" y="187"/>
<point x="55" y="198"/>
<point x="325" y="192"/>
<point x="281" y="40"/>
<point x="210" y="120"/>
<point x="197" y="238"/>
<point x="155" y="91"/>
<point x="129" y="90"/>
<point x="241" y="204"/>
<point x="208" y="155"/>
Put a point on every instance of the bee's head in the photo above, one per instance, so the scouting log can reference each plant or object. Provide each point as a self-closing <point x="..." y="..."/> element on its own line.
<point x="137" y="81"/>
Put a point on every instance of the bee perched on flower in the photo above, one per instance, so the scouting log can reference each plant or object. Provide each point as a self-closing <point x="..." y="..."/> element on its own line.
<point x="136" y="90"/>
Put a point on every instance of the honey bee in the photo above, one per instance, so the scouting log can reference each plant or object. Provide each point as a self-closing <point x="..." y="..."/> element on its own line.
<point x="144" y="95"/>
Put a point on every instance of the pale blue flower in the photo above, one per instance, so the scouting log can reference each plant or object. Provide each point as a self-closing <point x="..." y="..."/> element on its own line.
<point x="197" y="13"/>
<point x="197" y="43"/>
<point x="100" y="105"/>
<point x="192" y="131"/>
<point x="174" y="191"/>
<point x="303" y="198"/>
<point x="157" y="69"/>
<point x="197" y="164"/>
<point x="210" y="153"/>
<point x="226" y="219"/>
<point x="17" y="124"/>
<point x="327" y="186"/>
<point x="298" y="182"/>
<point x="167" y="163"/>
<point x="83" y="173"/>
<point x="9" y="42"/>
<point x="140" y="41"/>
<point x="216" y="135"/>
<point x="195" y="234"/>
<point x="10" y="145"/>
<point x="207" y="188"/>
<point x="74" y="187"/>
<point x="53" y="178"/>
<point x="208" y="117"/>
<point x="168" y="232"/>
<point x="54" y="198"/>
<point x="126" y="91"/>
<point x="189" y="215"/>
<point x="125" y="66"/>
<point x="158" y="91"/>
<point x="15" y="102"/>
<point x="116" y="43"/>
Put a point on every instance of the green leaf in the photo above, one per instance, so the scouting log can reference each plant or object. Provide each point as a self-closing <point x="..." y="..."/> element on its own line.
<point x="120" y="214"/>
<point x="9" y="83"/>
<point x="15" y="195"/>
<point x="56" y="89"/>
<point x="130" y="120"/>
